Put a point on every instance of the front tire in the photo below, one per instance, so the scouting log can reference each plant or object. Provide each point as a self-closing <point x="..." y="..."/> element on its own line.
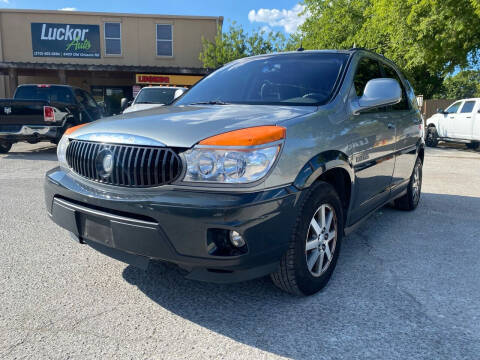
<point x="313" y="250"/>
<point x="432" y="137"/>
<point x="5" y="147"/>
<point x="410" y="200"/>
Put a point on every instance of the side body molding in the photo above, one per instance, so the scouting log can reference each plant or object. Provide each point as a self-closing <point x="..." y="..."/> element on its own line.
<point x="320" y="164"/>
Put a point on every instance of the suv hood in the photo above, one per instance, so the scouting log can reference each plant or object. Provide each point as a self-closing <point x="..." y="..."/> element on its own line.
<point x="138" y="107"/>
<point x="184" y="126"/>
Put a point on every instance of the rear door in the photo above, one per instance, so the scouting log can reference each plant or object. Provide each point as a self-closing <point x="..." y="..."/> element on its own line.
<point x="373" y="155"/>
<point x="465" y="119"/>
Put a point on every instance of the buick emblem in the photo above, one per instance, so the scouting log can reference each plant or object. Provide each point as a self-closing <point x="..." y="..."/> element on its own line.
<point x="105" y="163"/>
<point x="7" y="110"/>
<point x="108" y="163"/>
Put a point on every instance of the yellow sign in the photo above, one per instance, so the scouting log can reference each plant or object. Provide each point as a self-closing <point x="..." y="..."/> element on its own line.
<point x="154" y="79"/>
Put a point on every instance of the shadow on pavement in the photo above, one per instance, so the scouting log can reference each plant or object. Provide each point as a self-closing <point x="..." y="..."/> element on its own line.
<point x="373" y="306"/>
<point x="46" y="153"/>
<point x="456" y="146"/>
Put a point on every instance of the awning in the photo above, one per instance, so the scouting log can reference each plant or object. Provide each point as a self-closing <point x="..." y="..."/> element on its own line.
<point x="174" y="70"/>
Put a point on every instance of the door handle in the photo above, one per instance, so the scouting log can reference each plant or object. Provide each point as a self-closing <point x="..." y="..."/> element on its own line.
<point x="469" y="117"/>
<point x="391" y="126"/>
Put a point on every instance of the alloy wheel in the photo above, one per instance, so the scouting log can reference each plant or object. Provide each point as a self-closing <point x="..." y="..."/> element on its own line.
<point x="321" y="240"/>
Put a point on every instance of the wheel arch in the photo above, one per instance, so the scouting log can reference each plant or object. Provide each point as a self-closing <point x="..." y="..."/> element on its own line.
<point x="332" y="167"/>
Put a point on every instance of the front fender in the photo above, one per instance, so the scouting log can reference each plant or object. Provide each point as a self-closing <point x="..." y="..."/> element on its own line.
<point x="321" y="163"/>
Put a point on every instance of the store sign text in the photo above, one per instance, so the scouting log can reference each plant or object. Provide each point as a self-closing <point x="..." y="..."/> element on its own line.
<point x="65" y="40"/>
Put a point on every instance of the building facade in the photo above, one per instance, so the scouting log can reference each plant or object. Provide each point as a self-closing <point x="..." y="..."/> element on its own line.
<point x="111" y="55"/>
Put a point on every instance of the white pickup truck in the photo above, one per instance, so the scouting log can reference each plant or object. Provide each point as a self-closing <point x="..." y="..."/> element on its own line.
<point x="460" y="122"/>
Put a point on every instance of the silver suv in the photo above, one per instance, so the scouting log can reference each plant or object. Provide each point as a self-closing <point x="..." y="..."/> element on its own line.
<point x="261" y="168"/>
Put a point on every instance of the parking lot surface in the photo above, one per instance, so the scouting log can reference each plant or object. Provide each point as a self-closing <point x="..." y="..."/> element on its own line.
<point x="406" y="286"/>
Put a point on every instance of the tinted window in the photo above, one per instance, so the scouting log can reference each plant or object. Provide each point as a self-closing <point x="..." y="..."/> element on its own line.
<point x="289" y="79"/>
<point x="367" y="70"/>
<point x="389" y="72"/>
<point x="468" y="107"/>
<point x="155" y="96"/>
<point x="84" y="98"/>
<point x="453" y="108"/>
<point x="46" y="93"/>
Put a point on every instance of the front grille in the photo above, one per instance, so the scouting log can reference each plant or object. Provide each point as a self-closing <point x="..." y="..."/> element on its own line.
<point x="128" y="165"/>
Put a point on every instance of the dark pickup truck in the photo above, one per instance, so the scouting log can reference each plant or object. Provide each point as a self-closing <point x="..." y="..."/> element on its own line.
<point x="43" y="113"/>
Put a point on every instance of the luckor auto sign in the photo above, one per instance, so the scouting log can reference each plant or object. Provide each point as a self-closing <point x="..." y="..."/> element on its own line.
<point x="65" y="40"/>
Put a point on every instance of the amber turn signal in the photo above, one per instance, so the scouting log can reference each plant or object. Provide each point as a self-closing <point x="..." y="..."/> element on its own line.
<point x="72" y="129"/>
<point x="258" y="135"/>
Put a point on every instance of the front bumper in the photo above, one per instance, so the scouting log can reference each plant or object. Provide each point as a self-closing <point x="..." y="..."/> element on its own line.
<point x="174" y="224"/>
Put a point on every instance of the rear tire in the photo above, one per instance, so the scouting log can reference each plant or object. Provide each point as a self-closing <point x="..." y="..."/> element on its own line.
<point x="473" y="145"/>
<point x="432" y="137"/>
<point x="5" y="147"/>
<point x="312" y="253"/>
<point x="410" y="200"/>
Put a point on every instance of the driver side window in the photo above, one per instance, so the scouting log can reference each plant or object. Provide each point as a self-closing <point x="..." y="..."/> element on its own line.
<point x="453" y="108"/>
<point x="367" y="69"/>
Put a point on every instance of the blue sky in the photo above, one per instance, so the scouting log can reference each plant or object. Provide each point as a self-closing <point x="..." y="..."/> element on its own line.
<point x="278" y="15"/>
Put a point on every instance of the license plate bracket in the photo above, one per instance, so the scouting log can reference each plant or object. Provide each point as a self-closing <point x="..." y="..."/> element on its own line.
<point x="96" y="229"/>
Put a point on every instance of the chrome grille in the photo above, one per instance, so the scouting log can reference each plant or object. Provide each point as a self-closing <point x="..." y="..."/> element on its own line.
<point x="131" y="165"/>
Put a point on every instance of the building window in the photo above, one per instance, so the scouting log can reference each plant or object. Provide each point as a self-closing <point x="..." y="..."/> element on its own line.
<point x="164" y="40"/>
<point x="113" y="39"/>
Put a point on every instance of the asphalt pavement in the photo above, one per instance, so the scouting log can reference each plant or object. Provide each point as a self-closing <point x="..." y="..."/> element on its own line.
<point x="407" y="285"/>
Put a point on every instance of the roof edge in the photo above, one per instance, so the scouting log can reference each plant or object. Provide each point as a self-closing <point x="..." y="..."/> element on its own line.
<point x="112" y="14"/>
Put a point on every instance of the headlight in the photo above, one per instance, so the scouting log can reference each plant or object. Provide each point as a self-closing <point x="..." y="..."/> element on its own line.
<point x="237" y="157"/>
<point x="62" y="151"/>
<point x="63" y="145"/>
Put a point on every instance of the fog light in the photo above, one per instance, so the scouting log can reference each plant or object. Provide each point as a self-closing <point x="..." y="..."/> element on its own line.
<point x="236" y="239"/>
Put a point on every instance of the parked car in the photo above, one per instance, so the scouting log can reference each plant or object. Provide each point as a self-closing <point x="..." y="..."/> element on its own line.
<point x="152" y="96"/>
<point x="43" y="113"/>
<point x="261" y="168"/>
<point x="460" y="122"/>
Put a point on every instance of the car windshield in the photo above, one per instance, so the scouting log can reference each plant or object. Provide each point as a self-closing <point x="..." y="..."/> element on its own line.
<point x="155" y="96"/>
<point x="46" y="93"/>
<point x="285" y="79"/>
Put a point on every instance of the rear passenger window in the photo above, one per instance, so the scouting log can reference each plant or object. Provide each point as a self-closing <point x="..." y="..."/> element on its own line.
<point x="367" y="70"/>
<point x="468" y="107"/>
<point x="392" y="74"/>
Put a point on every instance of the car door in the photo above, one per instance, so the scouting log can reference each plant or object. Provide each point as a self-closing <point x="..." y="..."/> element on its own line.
<point x="447" y="124"/>
<point x="372" y="146"/>
<point x="464" y="120"/>
<point x="406" y="117"/>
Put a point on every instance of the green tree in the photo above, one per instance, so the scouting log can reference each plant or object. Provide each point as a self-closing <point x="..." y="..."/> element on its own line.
<point x="236" y="43"/>
<point x="428" y="39"/>
<point x="465" y="84"/>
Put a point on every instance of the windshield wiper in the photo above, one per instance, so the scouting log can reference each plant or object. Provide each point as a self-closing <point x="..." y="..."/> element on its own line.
<point x="145" y="102"/>
<point x="212" y="102"/>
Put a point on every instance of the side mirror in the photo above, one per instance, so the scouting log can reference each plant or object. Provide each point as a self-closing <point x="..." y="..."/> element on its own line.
<point x="124" y="103"/>
<point x="178" y="93"/>
<point x="378" y="92"/>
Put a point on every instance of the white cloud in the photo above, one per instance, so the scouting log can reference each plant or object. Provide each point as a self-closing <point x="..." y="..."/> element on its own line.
<point x="68" y="9"/>
<point x="5" y="1"/>
<point x="290" y="20"/>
